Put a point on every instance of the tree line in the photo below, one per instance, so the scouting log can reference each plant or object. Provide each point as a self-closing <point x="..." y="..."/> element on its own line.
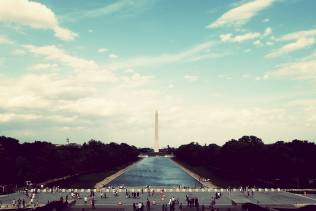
<point x="248" y="161"/>
<point x="40" y="160"/>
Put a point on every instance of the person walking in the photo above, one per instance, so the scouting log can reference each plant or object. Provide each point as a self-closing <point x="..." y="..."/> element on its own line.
<point x="197" y="205"/>
<point x="92" y="203"/>
<point x="139" y="206"/>
<point x="187" y="200"/>
<point x="148" y="204"/>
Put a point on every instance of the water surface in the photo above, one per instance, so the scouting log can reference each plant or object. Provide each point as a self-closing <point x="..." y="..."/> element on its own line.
<point x="155" y="171"/>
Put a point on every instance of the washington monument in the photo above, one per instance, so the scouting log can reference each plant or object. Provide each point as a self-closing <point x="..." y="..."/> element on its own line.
<point x="156" y="145"/>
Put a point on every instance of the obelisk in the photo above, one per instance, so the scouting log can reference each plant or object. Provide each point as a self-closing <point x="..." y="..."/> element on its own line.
<point x="156" y="146"/>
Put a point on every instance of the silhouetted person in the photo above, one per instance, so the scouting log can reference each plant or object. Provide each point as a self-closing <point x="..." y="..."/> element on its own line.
<point x="92" y="204"/>
<point x="148" y="204"/>
<point x="196" y="203"/>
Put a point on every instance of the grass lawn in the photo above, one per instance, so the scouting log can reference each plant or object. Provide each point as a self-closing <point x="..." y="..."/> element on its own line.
<point x="216" y="179"/>
<point x="86" y="180"/>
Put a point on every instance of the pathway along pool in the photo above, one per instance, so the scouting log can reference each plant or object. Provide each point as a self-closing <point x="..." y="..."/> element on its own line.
<point x="155" y="171"/>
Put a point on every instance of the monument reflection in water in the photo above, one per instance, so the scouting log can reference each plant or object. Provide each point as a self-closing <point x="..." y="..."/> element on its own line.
<point x="155" y="171"/>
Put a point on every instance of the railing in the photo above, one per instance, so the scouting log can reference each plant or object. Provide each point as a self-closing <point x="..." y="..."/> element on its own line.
<point x="157" y="190"/>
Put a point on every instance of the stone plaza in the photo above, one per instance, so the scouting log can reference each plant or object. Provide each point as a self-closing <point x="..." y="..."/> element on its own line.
<point x="234" y="198"/>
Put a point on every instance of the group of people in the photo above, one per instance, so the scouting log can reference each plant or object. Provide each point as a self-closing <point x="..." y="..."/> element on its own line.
<point x="103" y="195"/>
<point x="74" y="195"/>
<point x="138" y="206"/>
<point x="217" y="195"/>
<point x="18" y="203"/>
<point x="192" y="201"/>
<point x="172" y="203"/>
<point x="132" y="194"/>
<point x="91" y="199"/>
<point x="248" y="191"/>
<point x="21" y="203"/>
<point x="150" y="192"/>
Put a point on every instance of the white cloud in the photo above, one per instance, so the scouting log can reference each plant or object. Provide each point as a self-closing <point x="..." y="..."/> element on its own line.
<point x="247" y="50"/>
<point x="245" y="76"/>
<point x="54" y="53"/>
<point x="64" y="34"/>
<point x="18" y="52"/>
<point x="239" y="38"/>
<point x="309" y="110"/>
<point x="246" y="37"/>
<point x="266" y="20"/>
<point x="299" y="34"/>
<point x="171" y="86"/>
<point x="102" y="50"/>
<point x="258" y="43"/>
<point x="197" y="52"/>
<point x="44" y="66"/>
<point x="5" y="40"/>
<point x="125" y="7"/>
<point x="33" y="14"/>
<point x="306" y="103"/>
<point x="298" y="40"/>
<point x="300" y="43"/>
<point x="241" y="14"/>
<point x="113" y="56"/>
<point x="269" y="43"/>
<point x="267" y="31"/>
<point x="84" y="71"/>
<point x="55" y="106"/>
<point x="109" y="9"/>
<point x="205" y="56"/>
<point x="226" y="77"/>
<point x="87" y="70"/>
<point x="136" y="79"/>
<point x="45" y="103"/>
<point x="130" y="70"/>
<point x="304" y="69"/>
<point x="191" y="78"/>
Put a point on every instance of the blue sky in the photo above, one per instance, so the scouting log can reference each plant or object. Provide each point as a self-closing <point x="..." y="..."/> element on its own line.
<point x="215" y="70"/>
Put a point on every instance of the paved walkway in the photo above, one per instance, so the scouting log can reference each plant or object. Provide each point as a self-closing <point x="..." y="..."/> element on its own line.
<point x="264" y="198"/>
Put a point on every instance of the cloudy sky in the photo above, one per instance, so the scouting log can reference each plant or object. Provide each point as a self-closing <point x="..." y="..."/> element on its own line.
<point x="214" y="70"/>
